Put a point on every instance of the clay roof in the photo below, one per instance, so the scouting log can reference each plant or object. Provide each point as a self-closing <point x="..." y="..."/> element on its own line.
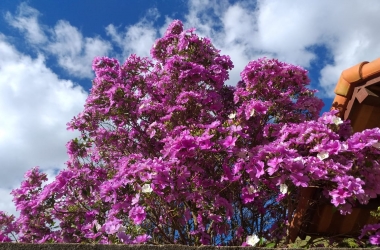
<point x="358" y="95"/>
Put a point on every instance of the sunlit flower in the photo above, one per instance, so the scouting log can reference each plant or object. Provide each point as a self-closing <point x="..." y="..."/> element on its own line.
<point x="232" y="116"/>
<point x="323" y="155"/>
<point x="283" y="188"/>
<point x="252" y="240"/>
<point x="146" y="188"/>
<point x="336" y="120"/>
<point x="299" y="158"/>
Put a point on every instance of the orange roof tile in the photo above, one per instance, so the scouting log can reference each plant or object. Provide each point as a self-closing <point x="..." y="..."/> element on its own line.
<point x="358" y="95"/>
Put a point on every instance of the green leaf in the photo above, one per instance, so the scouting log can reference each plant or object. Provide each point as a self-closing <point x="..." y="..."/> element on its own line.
<point x="270" y="245"/>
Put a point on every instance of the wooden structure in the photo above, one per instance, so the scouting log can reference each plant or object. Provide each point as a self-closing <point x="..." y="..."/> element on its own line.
<point x="357" y="99"/>
<point x="358" y="95"/>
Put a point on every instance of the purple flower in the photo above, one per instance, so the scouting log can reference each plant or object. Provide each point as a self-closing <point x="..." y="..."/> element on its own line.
<point x="141" y="239"/>
<point x="248" y="194"/>
<point x="374" y="240"/>
<point x="338" y="197"/>
<point x="175" y="28"/>
<point x="123" y="237"/>
<point x="229" y="141"/>
<point x="112" y="226"/>
<point x="4" y="238"/>
<point x="137" y="214"/>
<point x="274" y="165"/>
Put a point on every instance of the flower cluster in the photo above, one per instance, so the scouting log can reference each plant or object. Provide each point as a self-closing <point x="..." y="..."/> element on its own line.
<point x="373" y="233"/>
<point x="168" y="154"/>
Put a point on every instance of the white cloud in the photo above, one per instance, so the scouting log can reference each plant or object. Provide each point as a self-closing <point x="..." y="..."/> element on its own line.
<point x="288" y="29"/>
<point x="232" y="29"/>
<point x="348" y="30"/>
<point x="138" y="38"/>
<point x="244" y="30"/>
<point x="35" y="106"/>
<point x="73" y="52"/>
<point x="26" y="21"/>
<point x="6" y="203"/>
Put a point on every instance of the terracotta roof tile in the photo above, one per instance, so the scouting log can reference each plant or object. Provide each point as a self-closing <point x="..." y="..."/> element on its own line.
<point x="358" y="89"/>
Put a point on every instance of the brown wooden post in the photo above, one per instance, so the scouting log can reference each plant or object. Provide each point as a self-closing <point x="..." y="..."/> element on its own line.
<point x="306" y="195"/>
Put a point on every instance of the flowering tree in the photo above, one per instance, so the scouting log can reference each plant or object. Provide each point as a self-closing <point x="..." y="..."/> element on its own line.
<point x="169" y="154"/>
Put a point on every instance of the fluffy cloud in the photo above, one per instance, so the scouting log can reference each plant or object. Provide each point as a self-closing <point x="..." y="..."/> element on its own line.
<point x="245" y="30"/>
<point x="74" y="53"/>
<point x="26" y="21"/>
<point x="6" y="203"/>
<point x="287" y="30"/>
<point x="348" y="31"/>
<point x="137" y="38"/>
<point x="35" y="106"/>
<point x="232" y="28"/>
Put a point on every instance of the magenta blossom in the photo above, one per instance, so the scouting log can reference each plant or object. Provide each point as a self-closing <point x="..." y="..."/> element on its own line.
<point x="137" y="215"/>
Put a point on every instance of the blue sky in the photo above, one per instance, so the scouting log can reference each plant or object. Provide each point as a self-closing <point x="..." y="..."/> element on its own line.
<point x="46" y="49"/>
